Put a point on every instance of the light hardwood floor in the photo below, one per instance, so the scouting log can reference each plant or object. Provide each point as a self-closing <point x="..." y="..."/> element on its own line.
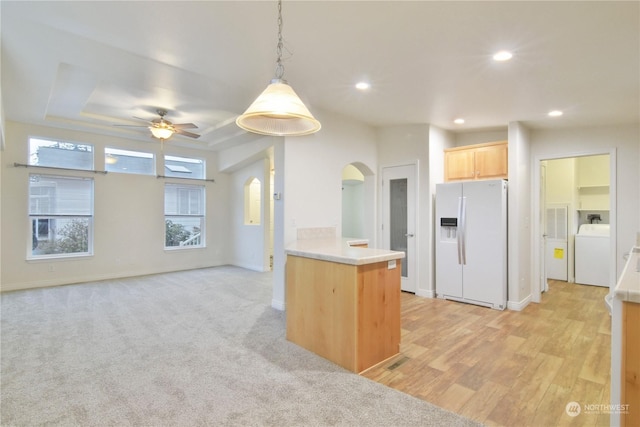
<point x="507" y="368"/>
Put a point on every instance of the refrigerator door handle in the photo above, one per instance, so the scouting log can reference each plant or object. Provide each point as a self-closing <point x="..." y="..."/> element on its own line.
<point x="459" y="231"/>
<point x="463" y="231"/>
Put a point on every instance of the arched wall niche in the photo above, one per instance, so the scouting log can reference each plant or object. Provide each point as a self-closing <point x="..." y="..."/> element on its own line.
<point x="252" y="201"/>
<point x="358" y="202"/>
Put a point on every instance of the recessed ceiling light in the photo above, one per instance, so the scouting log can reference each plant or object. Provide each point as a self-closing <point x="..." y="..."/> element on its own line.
<point x="458" y="121"/>
<point x="363" y="86"/>
<point x="503" y="55"/>
<point x="555" y="113"/>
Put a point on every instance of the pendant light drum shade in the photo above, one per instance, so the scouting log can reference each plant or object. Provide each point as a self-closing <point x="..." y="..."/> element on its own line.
<point x="278" y="111"/>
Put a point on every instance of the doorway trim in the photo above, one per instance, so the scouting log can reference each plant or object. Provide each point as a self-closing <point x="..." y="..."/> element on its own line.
<point x="413" y="269"/>
<point x="536" y="292"/>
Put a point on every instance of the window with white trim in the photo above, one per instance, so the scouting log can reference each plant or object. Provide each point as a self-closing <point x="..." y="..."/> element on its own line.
<point x="184" y="167"/>
<point x="61" y="216"/>
<point x="60" y="154"/>
<point x="127" y="161"/>
<point x="184" y="215"/>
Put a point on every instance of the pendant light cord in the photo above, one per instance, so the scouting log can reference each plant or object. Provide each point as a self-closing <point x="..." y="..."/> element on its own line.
<point x="279" y="66"/>
<point x="278" y="110"/>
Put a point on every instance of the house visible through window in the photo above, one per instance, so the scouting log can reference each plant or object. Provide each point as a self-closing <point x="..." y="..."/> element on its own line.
<point x="61" y="215"/>
<point x="60" y="154"/>
<point x="126" y="161"/>
<point x="184" y="215"/>
<point x="184" y="167"/>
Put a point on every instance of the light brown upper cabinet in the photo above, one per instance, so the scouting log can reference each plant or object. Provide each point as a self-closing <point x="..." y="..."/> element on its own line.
<point x="479" y="161"/>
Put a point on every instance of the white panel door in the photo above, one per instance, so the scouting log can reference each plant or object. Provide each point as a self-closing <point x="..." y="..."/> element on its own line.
<point x="556" y="242"/>
<point x="399" y="219"/>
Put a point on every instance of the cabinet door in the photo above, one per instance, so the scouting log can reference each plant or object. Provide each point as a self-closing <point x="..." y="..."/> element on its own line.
<point x="459" y="165"/>
<point x="491" y="161"/>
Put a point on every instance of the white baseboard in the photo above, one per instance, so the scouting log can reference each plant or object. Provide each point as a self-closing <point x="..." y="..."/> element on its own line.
<point x="278" y="305"/>
<point x="519" y="306"/>
<point x="426" y="293"/>
<point x="89" y="278"/>
<point x="252" y="267"/>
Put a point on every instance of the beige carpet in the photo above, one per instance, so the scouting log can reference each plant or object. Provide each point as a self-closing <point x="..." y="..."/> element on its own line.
<point x="201" y="347"/>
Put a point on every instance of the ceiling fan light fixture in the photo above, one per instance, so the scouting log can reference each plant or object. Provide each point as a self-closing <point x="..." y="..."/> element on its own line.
<point x="161" y="132"/>
<point x="278" y="111"/>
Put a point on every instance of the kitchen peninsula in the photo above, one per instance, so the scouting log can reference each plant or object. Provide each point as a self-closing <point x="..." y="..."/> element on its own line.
<point x="343" y="300"/>
<point x="625" y="344"/>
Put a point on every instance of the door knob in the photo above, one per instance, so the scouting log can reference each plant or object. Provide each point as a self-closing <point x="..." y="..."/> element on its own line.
<point x="408" y="235"/>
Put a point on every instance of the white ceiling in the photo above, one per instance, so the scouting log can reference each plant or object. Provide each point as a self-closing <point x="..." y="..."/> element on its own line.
<point x="89" y="65"/>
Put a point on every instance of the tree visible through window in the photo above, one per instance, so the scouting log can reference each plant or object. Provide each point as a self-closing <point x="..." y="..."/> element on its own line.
<point x="61" y="215"/>
<point x="184" y="215"/>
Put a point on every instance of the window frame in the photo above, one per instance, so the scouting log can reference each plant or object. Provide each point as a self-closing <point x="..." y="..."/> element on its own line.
<point x="188" y="174"/>
<point x="31" y="156"/>
<point x="34" y="218"/>
<point x="116" y="153"/>
<point x="183" y="210"/>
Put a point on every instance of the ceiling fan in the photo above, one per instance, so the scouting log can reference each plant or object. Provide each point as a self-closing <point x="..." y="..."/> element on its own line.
<point x="163" y="129"/>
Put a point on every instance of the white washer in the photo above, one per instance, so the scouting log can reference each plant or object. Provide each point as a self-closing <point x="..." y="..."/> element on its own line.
<point x="592" y="255"/>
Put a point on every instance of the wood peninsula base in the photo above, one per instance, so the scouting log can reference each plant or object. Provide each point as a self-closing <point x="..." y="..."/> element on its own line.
<point x="348" y="314"/>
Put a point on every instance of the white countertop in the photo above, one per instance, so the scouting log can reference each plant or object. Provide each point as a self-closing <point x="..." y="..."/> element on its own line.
<point x="628" y="286"/>
<point x="340" y="250"/>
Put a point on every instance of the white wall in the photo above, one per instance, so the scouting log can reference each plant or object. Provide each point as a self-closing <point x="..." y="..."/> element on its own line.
<point x="129" y="216"/>
<point x="480" y="136"/>
<point x="439" y="140"/>
<point x="311" y="191"/>
<point x="623" y="142"/>
<point x="1" y="198"/>
<point x="250" y="243"/>
<point x="519" y="207"/>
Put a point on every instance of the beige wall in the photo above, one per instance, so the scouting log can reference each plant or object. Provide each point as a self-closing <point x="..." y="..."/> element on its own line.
<point x="128" y="216"/>
<point x="560" y="182"/>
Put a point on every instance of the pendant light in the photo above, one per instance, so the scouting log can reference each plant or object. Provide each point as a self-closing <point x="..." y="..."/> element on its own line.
<point x="278" y="110"/>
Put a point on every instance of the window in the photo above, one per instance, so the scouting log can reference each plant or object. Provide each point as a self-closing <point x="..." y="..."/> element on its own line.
<point x="61" y="216"/>
<point x="184" y="167"/>
<point x="60" y="154"/>
<point x="184" y="215"/>
<point x="125" y="161"/>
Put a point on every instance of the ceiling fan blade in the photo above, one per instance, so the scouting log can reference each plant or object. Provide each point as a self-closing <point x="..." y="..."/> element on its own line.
<point x="186" y="133"/>
<point x="140" y="118"/>
<point x="132" y="126"/>
<point x="185" y="126"/>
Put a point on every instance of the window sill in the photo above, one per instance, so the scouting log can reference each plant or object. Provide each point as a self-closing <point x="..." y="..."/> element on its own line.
<point x="182" y="248"/>
<point x="58" y="257"/>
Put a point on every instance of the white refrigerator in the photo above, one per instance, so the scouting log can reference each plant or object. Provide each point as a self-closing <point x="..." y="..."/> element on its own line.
<point x="471" y="242"/>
